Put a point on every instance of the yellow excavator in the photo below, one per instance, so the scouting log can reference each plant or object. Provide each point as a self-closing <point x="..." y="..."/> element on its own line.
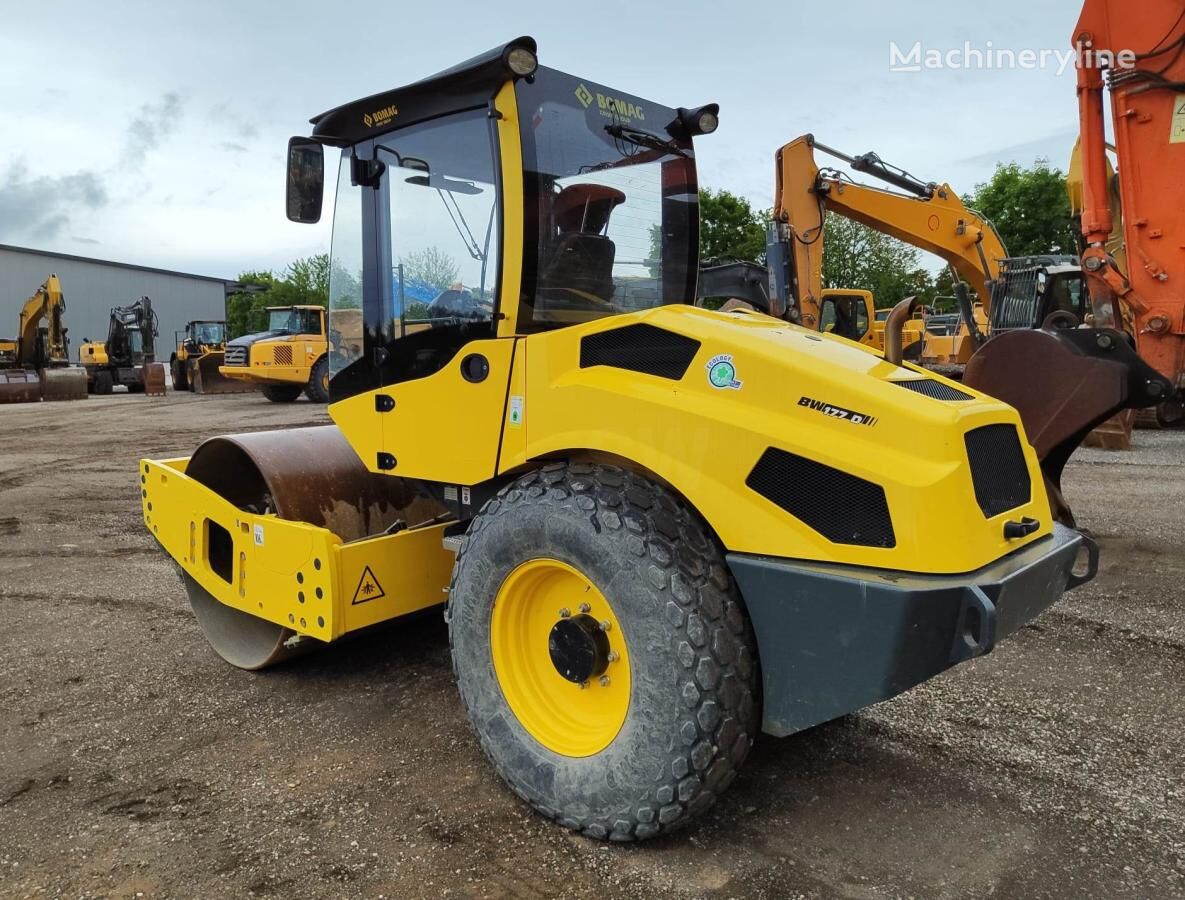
<point x="1009" y="293"/>
<point x="35" y="365"/>
<point x="648" y="548"/>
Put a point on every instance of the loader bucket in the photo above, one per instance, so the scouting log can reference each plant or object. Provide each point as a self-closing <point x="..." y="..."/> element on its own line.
<point x="153" y="376"/>
<point x="206" y="379"/>
<point x="1064" y="383"/>
<point x="19" y="386"/>
<point x="66" y="383"/>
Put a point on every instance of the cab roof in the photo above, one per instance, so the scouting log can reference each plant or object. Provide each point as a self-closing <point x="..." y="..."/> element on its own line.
<point x="466" y="85"/>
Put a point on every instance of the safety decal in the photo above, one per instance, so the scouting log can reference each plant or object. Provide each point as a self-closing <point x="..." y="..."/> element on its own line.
<point x="838" y="412"/>
<point x="368" y="588"/>
<point x="722" y="372"/>
<point x="516" y="411"/>
<point x="1177" y="134"/>
<point x="258" y="535"/>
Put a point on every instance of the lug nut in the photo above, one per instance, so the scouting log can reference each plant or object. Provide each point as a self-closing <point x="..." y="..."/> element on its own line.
<point x="613" y="656"/>
<point x="565" y="613"/>
<point x="604" y="681"/>
<point x="606" y="625"/>
<point x="584" y="608"/>
<point x="583" y="685"/>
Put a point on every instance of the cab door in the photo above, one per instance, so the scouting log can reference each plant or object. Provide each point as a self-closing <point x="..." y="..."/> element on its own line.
<point x="847" y="314"/>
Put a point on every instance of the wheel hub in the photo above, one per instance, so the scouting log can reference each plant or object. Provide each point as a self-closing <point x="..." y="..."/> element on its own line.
<point x="579" y="648"/>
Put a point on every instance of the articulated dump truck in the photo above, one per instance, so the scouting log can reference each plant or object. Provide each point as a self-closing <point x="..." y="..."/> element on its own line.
<point x="654" y="529"/>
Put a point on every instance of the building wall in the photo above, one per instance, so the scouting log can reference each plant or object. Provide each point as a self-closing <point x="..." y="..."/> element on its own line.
<point x="92" y="287"/>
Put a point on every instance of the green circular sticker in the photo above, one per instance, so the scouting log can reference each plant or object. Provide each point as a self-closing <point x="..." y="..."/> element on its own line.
<point x="722" y="373"/>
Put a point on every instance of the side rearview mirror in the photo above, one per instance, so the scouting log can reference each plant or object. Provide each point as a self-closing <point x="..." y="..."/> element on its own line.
<point x="306" y="180"/>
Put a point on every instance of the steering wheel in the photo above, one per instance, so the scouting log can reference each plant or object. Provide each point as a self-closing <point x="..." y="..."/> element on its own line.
<point x="1060" y="320"/>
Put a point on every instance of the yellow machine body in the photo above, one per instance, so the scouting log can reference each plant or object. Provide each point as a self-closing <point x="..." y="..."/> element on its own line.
<point x="635" y="508"/>
<point x="286" y="359"/>
<point x="93" y="353"/>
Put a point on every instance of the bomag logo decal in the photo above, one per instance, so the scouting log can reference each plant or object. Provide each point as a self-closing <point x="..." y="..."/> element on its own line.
<point x="380" y="116"/>
<point x="838" y="412"/>
<point x="610" y="107"/>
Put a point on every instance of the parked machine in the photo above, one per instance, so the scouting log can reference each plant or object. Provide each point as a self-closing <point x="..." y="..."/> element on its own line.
<point x="1005" y="293"/>
<point x="649" y="548"/>
<point x="200" y="352"/>
<point x="1137" y="284"/>
<point x="35" y="365"/>
<point x="290" y="358"/>
<point x="128" y="356"/>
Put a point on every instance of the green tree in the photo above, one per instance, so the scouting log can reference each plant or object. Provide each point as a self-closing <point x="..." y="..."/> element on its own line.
<point x="861" y="258"/>
<point x="305" y="282"/>
<point x="432" y="266"/>
<point x="1029" y="207"/>
<point x="729" y="228"/>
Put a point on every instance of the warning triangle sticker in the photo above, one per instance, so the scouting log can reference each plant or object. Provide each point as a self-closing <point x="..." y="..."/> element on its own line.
<point x="368" y="588"/>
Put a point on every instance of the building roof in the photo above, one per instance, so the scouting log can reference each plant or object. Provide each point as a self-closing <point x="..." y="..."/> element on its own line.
<point x="111" y="262"/>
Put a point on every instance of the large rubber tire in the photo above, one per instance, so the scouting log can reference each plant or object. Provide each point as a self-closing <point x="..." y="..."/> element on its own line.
<point x="103" y="382"/>
<point x="282" y="393"/>
<point x="177" y="371"/>
<point x="318" y="388"/>
<point x="693" y="708"/>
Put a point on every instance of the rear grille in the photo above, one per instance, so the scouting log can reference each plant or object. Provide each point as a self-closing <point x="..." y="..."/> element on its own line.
<point x="640" y="348"/>
<point x="998" y="469"/>
<point x="936" y="389"/>
<point x="843" y="508"/>
<point x="235" y="356"/>
<point x="282" y="355"/>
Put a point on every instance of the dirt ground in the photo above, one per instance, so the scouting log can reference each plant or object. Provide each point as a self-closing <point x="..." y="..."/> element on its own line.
<point x="133" y="762"/>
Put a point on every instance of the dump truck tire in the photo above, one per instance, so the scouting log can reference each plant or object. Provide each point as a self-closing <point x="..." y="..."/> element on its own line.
<point x="641" y="583"/>
<point x="318" y="389"/>
<point x="281" y="393"/>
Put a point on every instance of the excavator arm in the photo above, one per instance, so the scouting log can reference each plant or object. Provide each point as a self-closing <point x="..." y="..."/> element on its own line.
<point x="925" y="215"/>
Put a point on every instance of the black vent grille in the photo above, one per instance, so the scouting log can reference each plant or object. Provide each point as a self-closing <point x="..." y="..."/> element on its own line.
<point x="640" y="348"/>
<point x="998" y="469"/>
<point x="935" y="389"/>
<point x="843" y="508"/>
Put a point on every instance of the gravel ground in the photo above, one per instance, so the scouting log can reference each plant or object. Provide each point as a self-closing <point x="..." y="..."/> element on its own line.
<point x="135" y="763"/>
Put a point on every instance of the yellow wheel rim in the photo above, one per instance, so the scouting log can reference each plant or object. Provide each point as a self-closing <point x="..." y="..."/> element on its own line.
<point x="568" y="717"/>
<point x="325" y="381"/>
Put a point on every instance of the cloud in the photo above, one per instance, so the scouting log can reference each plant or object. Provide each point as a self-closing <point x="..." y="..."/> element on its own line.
<point x="40" y="207"/>
<point x="233" y="147"/>
<point x="84" y="240"/>
<point x="151" y="125"/>
<point x="243" y="127"/>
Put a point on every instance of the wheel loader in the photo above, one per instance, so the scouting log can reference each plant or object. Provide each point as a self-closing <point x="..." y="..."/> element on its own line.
<point x="35" y="365"/>
<point x="654" y="529"/>
<point x="290" y="358"/>
<point x="200" y="352"/>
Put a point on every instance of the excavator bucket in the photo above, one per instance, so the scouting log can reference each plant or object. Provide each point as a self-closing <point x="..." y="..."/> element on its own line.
<point x="66" y="383"/>
<point x="153" y="375"/>
<point x="206" y="379"/>
<point x="20" y="386"/>
<point x="1064" y="384"/>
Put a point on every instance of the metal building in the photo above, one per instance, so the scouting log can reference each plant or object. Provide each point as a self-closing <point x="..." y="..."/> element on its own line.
<point x="92" y="286"/>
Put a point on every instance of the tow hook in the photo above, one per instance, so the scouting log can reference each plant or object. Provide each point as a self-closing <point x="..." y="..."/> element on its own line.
<point x="1014" y="530"/>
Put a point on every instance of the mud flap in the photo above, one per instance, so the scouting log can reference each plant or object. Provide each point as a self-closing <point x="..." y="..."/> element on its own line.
<point x="1064" y="383"/>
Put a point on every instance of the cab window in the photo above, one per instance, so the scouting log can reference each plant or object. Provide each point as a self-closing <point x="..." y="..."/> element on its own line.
<point x="845" y="317"/>
<point x="441" y="197"/>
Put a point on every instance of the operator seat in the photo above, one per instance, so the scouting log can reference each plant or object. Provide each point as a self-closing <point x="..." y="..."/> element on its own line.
<point x="582" y="261"/>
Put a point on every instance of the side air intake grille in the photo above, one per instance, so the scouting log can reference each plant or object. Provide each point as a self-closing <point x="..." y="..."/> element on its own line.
<point x="998" y="469"/>
<point x="282" y="355"/>
<point x="935" y="389"/>
<point x="843" y="508"/>
<point x="640" y="348"/>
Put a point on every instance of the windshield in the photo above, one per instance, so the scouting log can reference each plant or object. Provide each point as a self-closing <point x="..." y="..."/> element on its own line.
<point x="294" y="321"/>
<point x="210" y="332"/>
<point x="611" y="204"/>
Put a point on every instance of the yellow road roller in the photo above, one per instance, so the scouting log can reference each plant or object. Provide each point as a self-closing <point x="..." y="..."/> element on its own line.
<point x="655" y="529"/>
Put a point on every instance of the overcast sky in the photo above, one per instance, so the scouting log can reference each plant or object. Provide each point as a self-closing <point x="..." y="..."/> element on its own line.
<point x="154" y="133"/>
